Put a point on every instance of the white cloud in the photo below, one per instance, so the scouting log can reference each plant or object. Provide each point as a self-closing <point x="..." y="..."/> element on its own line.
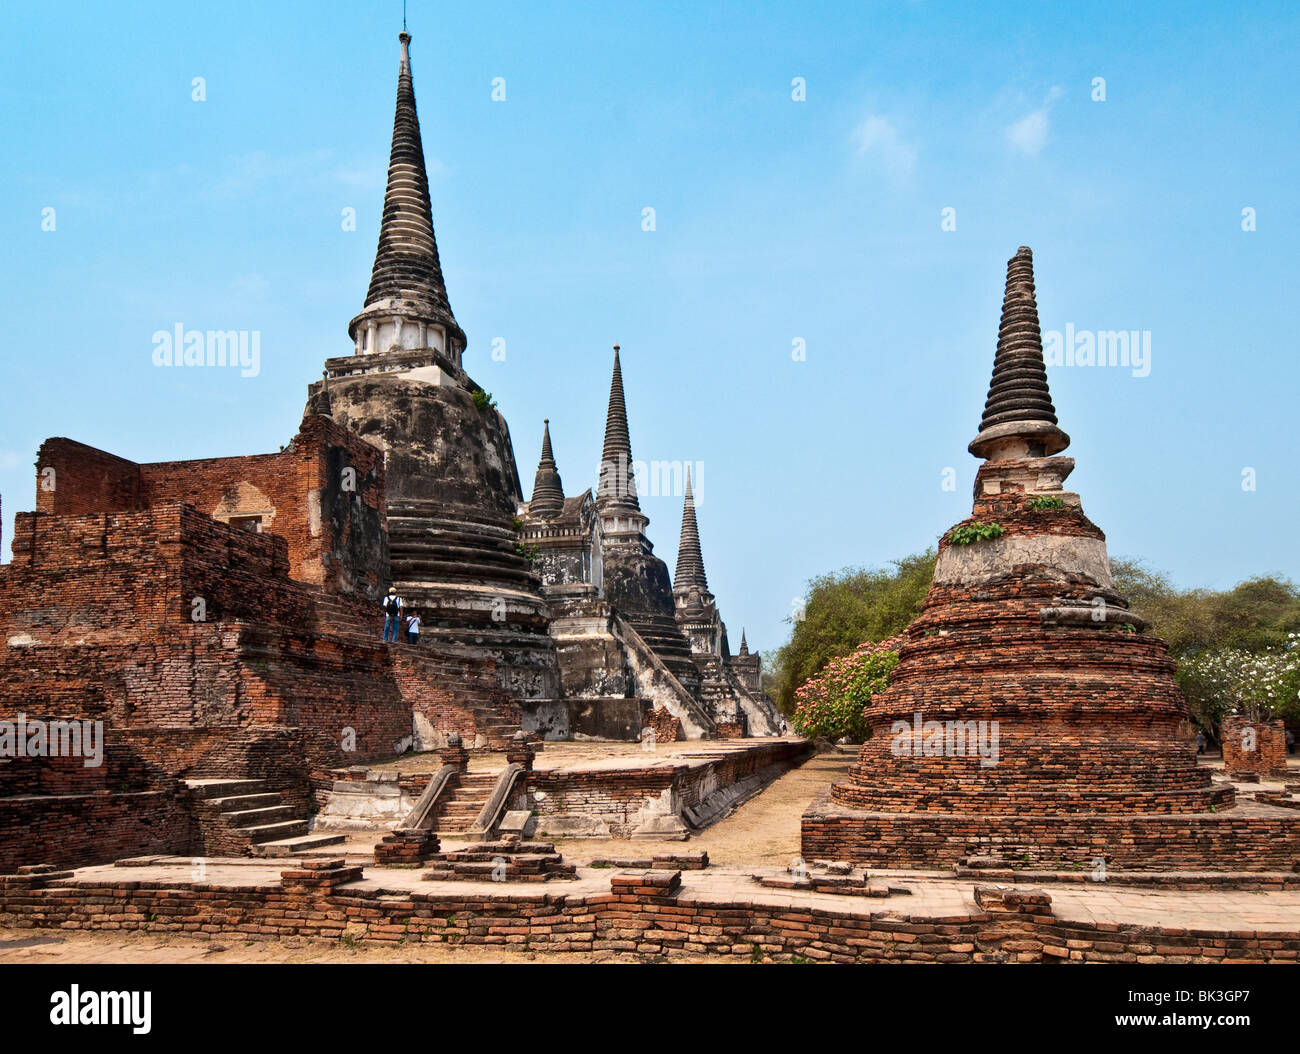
<point x="1029" y="134"/>
<point x="877" y="138"/>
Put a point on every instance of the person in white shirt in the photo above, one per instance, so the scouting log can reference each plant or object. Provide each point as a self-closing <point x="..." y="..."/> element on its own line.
<point x="392" y="605"/>
<point x="413" y="628"/>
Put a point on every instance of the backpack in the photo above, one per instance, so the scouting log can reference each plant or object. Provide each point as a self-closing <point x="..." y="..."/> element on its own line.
<point x="390" y="605"/>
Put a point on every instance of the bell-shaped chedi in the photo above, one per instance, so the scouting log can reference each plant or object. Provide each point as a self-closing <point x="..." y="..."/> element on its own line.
<point x="453" y="487"/>
<point x="1031" y="715"/>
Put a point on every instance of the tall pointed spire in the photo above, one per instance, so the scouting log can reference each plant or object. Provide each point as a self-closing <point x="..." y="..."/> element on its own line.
<point x="690" y="562"/>
<point x="617" y="482"/>
<point x="548" y="491"/>
<point x="1019" y="418"/>
<point x="406" y="282"/>
<point x="744" y="644"/>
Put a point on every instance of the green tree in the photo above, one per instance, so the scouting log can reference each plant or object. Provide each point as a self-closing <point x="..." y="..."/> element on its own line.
<point x="1254" y="615"/>
<point x="1231" y="645"/>
<point x="844" y="609"/>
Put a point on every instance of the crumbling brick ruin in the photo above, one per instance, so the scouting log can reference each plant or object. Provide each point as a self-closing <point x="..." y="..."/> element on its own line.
<point x="219" y="618"/>
<point x="1253" y="747"/>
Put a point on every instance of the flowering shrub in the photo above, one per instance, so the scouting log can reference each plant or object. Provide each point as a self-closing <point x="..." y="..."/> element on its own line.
<point x="1259" y="684"/>
<point x="832" y="702"/>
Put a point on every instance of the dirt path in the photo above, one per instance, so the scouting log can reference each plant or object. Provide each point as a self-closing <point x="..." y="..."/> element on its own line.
<point x="26" y="946"/>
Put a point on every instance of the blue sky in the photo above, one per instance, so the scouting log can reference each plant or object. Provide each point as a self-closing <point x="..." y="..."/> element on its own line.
<point x="776" y="221"/>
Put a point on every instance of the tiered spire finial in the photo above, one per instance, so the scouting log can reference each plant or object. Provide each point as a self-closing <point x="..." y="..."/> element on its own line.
<point x="1019" y="418"/>
<point x="617" y="482"/>
<point x="744" y="644"/>
<point x="690" y="561"/>
<point x="407" y="267"/>
<point x="548" y="490"/>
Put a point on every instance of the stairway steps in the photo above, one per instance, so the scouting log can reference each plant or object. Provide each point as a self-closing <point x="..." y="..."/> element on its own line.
<point x="244" y="801"/>
<point x="247" y="818"/>
<point x="295" y="846"/>
<point x="210" y="789"/>
<point x="275" y="831"/>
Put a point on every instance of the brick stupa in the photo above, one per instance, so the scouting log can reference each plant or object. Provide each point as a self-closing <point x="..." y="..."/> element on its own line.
<point x="1091" y="756"/>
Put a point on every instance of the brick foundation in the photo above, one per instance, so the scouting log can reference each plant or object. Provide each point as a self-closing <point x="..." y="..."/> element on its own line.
<point x="1249" y="838"/>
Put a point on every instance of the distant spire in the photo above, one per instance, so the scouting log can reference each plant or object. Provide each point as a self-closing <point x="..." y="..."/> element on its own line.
<point x="617" y="483"/>
<point x="548" y="491"/>
<point x="690" y="562"/>
<point x="1019" y="405"/>
<point x="744" y="645"/>
<point x="407" y="267"/>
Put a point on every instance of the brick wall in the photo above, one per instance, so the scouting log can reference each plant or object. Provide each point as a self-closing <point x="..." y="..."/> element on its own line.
<point x="73" y="479"/>
<point x="323" y="494"/>
<point x="79" y="830"/>
<point x="643" y="912"/>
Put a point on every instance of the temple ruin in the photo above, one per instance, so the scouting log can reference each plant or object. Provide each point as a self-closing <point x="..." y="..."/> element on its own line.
<point x="221" y="616"/>
<point x="1030" y="717"/>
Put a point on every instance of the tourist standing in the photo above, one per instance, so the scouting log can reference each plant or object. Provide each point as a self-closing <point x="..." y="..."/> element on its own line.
<point x="413" y="628"/>
<point x="392" y="615"/>
<point x="1200" y="742"/>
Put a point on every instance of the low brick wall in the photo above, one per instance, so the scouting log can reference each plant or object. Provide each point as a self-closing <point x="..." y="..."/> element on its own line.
<point x="1236" y="840"/>
<point x="616" y="796"/>
<point x="644" y="912"/>
<point x="78" y="830"/>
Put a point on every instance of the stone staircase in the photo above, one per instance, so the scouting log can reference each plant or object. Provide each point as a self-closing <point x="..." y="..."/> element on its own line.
<point x="243" y="817"/>
<point x="341" y="618"/>
<point x="496" y="726"/>
<point x="650" y="669"/>
<point x="462" y="803"/>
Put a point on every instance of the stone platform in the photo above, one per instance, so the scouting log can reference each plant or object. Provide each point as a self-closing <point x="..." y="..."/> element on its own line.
<point x="586" y="790"/>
